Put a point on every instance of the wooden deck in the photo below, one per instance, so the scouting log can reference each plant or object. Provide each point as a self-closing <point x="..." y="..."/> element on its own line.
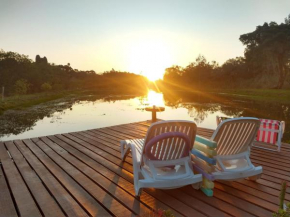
<point x="81" y="174"/>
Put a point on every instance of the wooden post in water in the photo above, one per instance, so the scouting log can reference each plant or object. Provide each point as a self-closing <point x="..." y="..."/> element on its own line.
<point x="154" y="109"/>
<point x="3" y="88"/>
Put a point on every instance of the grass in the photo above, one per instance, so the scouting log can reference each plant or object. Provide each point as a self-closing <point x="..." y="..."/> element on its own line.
<point x="24" y="101"/>
<point x="269" y="95"/>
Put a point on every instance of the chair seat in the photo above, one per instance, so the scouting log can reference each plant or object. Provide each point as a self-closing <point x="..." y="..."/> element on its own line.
<point x="234" y="164"/>
<point x="165" y="172"/>
<point x="231" y="176"/>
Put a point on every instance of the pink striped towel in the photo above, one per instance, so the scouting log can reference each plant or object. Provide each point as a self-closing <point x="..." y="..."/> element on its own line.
<point x="268" y="131"/>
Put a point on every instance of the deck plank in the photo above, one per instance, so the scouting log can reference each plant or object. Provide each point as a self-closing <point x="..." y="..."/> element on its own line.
<point x="117" y="166"/>
<point x="113" y="133"/>
<point x="99" y="164"/>
<point x="107" y="179"/>
<point x="24" y="200"/>
<point x="44" y="200"/>
<point x="250" y="198"/>
<point x="99" y="144"/>
<point x="121" y="198"/>
<point x="7" y="208"/>
<point x="81" y="174"/>
<point x="62" y="196"/>
<point x="82" y="196"/>
<point x="216" y="202"/>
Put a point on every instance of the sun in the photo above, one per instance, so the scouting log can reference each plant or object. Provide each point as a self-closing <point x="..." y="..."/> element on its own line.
<point x="149" y="57"/>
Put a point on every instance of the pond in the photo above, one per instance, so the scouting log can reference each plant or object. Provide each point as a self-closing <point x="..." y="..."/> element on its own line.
<point x="95" y="111"/>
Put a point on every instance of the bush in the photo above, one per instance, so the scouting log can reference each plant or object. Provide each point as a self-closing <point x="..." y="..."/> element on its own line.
<point x="58" y="87"/>
<point x="158" y="213"/>
<point x="46" y="87"/>
<point x="21" y="86"/>
<point x="283" y="212"/>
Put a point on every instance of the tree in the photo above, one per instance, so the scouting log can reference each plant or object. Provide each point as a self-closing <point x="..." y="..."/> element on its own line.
<point x="44" y="59"/>
<point x="21" y="86"/>
<point x="172" y="74"/>
<point x="46" y="87"/>
<point x="268" y="49"/>
<point x="235" y="68"/>
<point x="38" y="59"/>
<point x="287" y="20"/>
<point x="199" y="74"/>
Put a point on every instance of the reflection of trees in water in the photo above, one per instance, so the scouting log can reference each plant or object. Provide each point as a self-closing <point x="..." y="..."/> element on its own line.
<point x="19" y="121"/>
<point x="199" y="112"/>
<point x="197" y="115"/>
<point x="143" y="100"/>
<point x="199" y="106"/>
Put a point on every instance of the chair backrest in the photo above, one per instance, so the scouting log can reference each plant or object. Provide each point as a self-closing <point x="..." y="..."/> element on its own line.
<point x="234" y="136"/>
<point x="268" y="131"/>
<point x="173" y="147"/>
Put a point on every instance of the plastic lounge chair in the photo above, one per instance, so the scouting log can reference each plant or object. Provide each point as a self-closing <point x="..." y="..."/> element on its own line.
<point x="225" y="156"/>
<point x="163" y="160"/>
<point x="270" y="132"/>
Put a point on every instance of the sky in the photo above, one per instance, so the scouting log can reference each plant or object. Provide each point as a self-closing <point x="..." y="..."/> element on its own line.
<point x="143" y="37"/>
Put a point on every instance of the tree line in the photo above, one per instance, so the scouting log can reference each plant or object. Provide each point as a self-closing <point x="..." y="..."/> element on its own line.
<point x="21" y="75"/>
<point x="266" y="64"/>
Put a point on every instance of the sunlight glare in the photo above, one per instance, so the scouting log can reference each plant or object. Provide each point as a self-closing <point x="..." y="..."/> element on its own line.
<point x="155" y="98"/>
<point x="149" y="57"/>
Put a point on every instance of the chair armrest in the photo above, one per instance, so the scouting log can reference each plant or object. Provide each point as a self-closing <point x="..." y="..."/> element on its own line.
<point x="200" y="155"/>
<point x="282" y="123"/>
<point x="209" y="143"/>
<point x="201" y="147"/>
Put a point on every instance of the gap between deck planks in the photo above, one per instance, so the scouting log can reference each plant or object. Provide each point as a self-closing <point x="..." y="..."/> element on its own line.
<point x="81" y="174"/>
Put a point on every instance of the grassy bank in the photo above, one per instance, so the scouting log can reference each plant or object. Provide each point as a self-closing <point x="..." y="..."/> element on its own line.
<point x="269" y="95"/>
<point x="24" y="101"/>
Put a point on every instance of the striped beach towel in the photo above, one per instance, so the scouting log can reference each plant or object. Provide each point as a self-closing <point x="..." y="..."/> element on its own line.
<point x="268" y="131"/>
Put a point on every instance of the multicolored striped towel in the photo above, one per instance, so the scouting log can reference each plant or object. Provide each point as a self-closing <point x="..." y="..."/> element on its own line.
<point x="268" y="131"/>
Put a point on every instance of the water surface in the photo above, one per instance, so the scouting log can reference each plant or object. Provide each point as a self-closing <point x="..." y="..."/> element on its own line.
<point x="89" y="112"/>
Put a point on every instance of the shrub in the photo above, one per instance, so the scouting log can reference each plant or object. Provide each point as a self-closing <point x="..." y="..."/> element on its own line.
<point x="58" y="87"/>
<point x="283" y="212"/>
<point x="158" y="213"/>
<point x="21" y="86"/>
<point x="46" y="87"/>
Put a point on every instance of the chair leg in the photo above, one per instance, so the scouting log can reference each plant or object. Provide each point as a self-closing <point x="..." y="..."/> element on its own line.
<point x="138" y="192"/>
<point x="136" y="173"/>
<point x="125" y="149"/>
<point x="197" y="185"/>
<point x="255" y="178"/>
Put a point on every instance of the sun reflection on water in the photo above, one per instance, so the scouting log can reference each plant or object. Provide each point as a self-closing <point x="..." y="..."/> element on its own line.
<point x="154" y="98"/>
